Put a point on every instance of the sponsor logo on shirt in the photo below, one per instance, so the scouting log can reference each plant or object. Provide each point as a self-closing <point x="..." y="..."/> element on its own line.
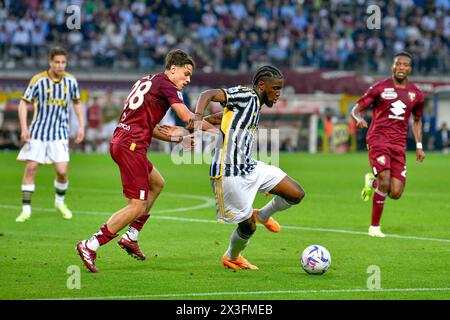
<point x="123" y="126"/>
<point x="389" y="94"/>
<point x="398" y="109"/>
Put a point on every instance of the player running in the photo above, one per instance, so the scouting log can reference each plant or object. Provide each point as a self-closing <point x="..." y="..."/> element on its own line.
<point x="393" y="100"/>
<point x="235" y="176"/>
<point x="149" y="100"/>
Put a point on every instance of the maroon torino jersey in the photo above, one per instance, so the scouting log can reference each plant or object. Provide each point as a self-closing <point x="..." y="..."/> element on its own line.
<point x="146" y="105"/>
<point x="391" y="110"/>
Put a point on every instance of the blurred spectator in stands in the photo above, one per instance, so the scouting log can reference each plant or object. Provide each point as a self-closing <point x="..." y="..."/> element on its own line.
<point x="110" y="116"/>
<point x="93" y="139"/>
<point x="145" y="53"/>
<point x="328" y="34"/>
<point x="9" y="136"/>
<point x="3" y="41"/>
<point x="287" y="145"/>
<point x="327" y="118"/>
<point x="428" y="125"/>
<point x="442" y="140"/>
<point x="21" y="43"/>
<point x="38" y="42"/>
<point x="352" y="143"/>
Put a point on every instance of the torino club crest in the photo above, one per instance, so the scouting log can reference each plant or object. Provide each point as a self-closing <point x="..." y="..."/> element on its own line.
<point x="381" y="160"/>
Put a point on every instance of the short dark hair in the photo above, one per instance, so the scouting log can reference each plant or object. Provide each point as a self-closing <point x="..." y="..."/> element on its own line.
<point x="57" y="51"/>
<point x="178" y="58"/>
<point x="403" y="54"/>
<point x="265" y="73"/>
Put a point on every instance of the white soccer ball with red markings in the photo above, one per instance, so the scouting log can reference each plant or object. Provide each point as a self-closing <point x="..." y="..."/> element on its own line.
<point x="315" y="259"/>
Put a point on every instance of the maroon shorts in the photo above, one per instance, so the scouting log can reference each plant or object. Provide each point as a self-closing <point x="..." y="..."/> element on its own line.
<point x="387" y="157"/>
<point x="134" y="171"/>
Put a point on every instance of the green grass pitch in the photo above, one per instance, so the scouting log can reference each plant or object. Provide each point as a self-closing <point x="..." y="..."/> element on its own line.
<point x="184" y="243"/>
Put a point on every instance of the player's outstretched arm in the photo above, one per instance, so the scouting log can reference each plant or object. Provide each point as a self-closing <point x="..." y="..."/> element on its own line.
<point x="23" y="111"/>
<point x="356" y="114"/>
<point x="217" y="95"/>
<point x="215" y="118"/>
<point x="188" y="117"/>
<point x="169" y="133"/>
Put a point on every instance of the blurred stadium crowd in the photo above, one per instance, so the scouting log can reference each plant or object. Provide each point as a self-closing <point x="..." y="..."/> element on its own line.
<point x="227" y="34"/>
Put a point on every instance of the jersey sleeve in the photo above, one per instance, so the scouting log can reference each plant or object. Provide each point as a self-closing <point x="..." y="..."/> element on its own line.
<point x="74" y="90"/>
<point x="418" y="107"/>
<point x="369" y="97"/>
<point x="172" y="94"/>
<point x="31" y="92"/>
<point x="237" y="97"/>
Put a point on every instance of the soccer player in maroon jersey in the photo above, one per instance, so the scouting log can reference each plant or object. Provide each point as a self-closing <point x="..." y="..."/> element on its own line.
<point x="149" y="100"/>
<point x="394" y="100"/>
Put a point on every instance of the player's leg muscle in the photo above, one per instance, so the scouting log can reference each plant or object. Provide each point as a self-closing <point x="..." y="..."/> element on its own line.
<point x="125" y="216"/>
<point x="157" y="183"/>
<point x="396" y="188"/>
<point x="290" y="190"/>
<point x="30" y="172"/>
<point x="61" y="171"/>
<point x="384" y="181"/>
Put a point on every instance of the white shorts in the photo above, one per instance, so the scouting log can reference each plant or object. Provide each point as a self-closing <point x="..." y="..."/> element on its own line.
<point x="45" y="152"/>
<point x="235" y="195"/>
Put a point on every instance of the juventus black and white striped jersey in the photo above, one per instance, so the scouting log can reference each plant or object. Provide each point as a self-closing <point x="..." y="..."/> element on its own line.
<point x="51" y="100"/>
<point x="233" y="156"/>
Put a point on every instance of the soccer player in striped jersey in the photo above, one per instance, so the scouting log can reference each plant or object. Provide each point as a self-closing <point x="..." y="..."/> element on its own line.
<point x="235" y="176"/>
<point x="47" y="138"/>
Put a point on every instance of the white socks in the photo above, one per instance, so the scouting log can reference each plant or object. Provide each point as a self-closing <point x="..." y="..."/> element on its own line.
<point x="93" y="243"/>
<point x="237" y="245"/>
<point x="132" y="234"/>
<point x="274" y="205"/>
<point x="60" y="191"/>
<point x="26" y="208"/>
<point x="27" y="192"/>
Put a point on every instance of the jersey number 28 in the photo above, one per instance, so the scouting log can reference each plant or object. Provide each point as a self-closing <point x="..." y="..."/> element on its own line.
<point x="136" y="96"/>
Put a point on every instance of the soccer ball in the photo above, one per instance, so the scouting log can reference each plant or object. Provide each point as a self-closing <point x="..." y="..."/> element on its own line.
<point x="315" y="259"/>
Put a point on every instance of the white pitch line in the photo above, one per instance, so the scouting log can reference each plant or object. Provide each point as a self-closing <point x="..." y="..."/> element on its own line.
<point x="246" y="293"/>
<point x="210" y="202"/>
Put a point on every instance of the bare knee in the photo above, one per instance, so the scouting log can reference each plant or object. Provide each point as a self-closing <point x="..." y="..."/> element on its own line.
<point x="138" y="208"/>
<point x="395" y="194"/>
<point x="158" y="185"/>
<point x="61" y="174"/>
<point x="384" y="184"/>
<point x="31" y="169"/>
<point x="297" y="196"/>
